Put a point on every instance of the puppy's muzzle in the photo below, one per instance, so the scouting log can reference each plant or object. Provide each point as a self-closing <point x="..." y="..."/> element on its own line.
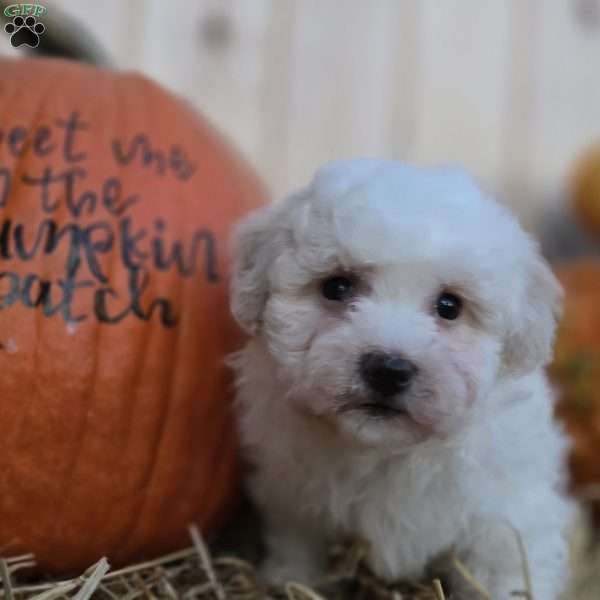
<point x="386" y="375"/>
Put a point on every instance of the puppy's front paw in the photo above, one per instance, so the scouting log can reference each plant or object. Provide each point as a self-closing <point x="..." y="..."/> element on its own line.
<point x="277" y="571"/>
<point x="295" y="552"/>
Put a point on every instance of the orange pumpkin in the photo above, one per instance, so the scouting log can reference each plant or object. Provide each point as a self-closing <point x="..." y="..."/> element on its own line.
<point x="585" y="190"/>
<point x="576" y="367"/>
<point x="116" y="201"/>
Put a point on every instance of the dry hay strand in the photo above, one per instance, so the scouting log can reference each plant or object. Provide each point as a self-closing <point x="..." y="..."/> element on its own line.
<point x="192" y="574"/>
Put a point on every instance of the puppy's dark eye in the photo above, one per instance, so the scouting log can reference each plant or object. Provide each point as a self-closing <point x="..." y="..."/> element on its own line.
<point x="338" y="288"/>
<point x="448" y="306"/>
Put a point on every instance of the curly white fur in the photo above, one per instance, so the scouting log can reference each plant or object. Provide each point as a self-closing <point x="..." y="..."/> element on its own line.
<point x="477" y="452"/>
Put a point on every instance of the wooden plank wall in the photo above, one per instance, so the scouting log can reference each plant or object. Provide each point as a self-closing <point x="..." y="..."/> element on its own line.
<point x="510" y="88"/>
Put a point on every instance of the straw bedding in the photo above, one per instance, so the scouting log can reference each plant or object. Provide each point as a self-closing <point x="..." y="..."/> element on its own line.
<point x="193" y="573"/>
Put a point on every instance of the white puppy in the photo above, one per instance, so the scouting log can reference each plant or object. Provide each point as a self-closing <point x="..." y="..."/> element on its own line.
<point x="393" y="387"/>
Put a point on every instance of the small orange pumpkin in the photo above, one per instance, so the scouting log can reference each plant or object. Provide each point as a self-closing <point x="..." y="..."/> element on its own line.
<point x="576" y="367"/>
<point x="116" y="201"/>
<point x="585" y="189"/>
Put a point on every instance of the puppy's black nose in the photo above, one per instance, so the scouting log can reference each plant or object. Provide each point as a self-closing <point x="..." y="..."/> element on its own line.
<point x="386" y="374"/>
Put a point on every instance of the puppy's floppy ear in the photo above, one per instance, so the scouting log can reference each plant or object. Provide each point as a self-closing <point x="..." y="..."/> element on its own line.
<point x="253" y="245"/>
<point x="529" y="342"/>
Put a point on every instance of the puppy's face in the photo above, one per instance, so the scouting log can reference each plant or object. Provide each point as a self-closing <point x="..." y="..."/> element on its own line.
<point x="391" y="300"/>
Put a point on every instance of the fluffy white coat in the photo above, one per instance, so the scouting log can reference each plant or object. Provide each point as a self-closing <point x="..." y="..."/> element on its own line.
<point x="476" y="455"/>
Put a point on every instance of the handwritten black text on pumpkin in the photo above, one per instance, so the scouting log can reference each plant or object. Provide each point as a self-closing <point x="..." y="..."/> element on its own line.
<point x="141" y="251"/>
